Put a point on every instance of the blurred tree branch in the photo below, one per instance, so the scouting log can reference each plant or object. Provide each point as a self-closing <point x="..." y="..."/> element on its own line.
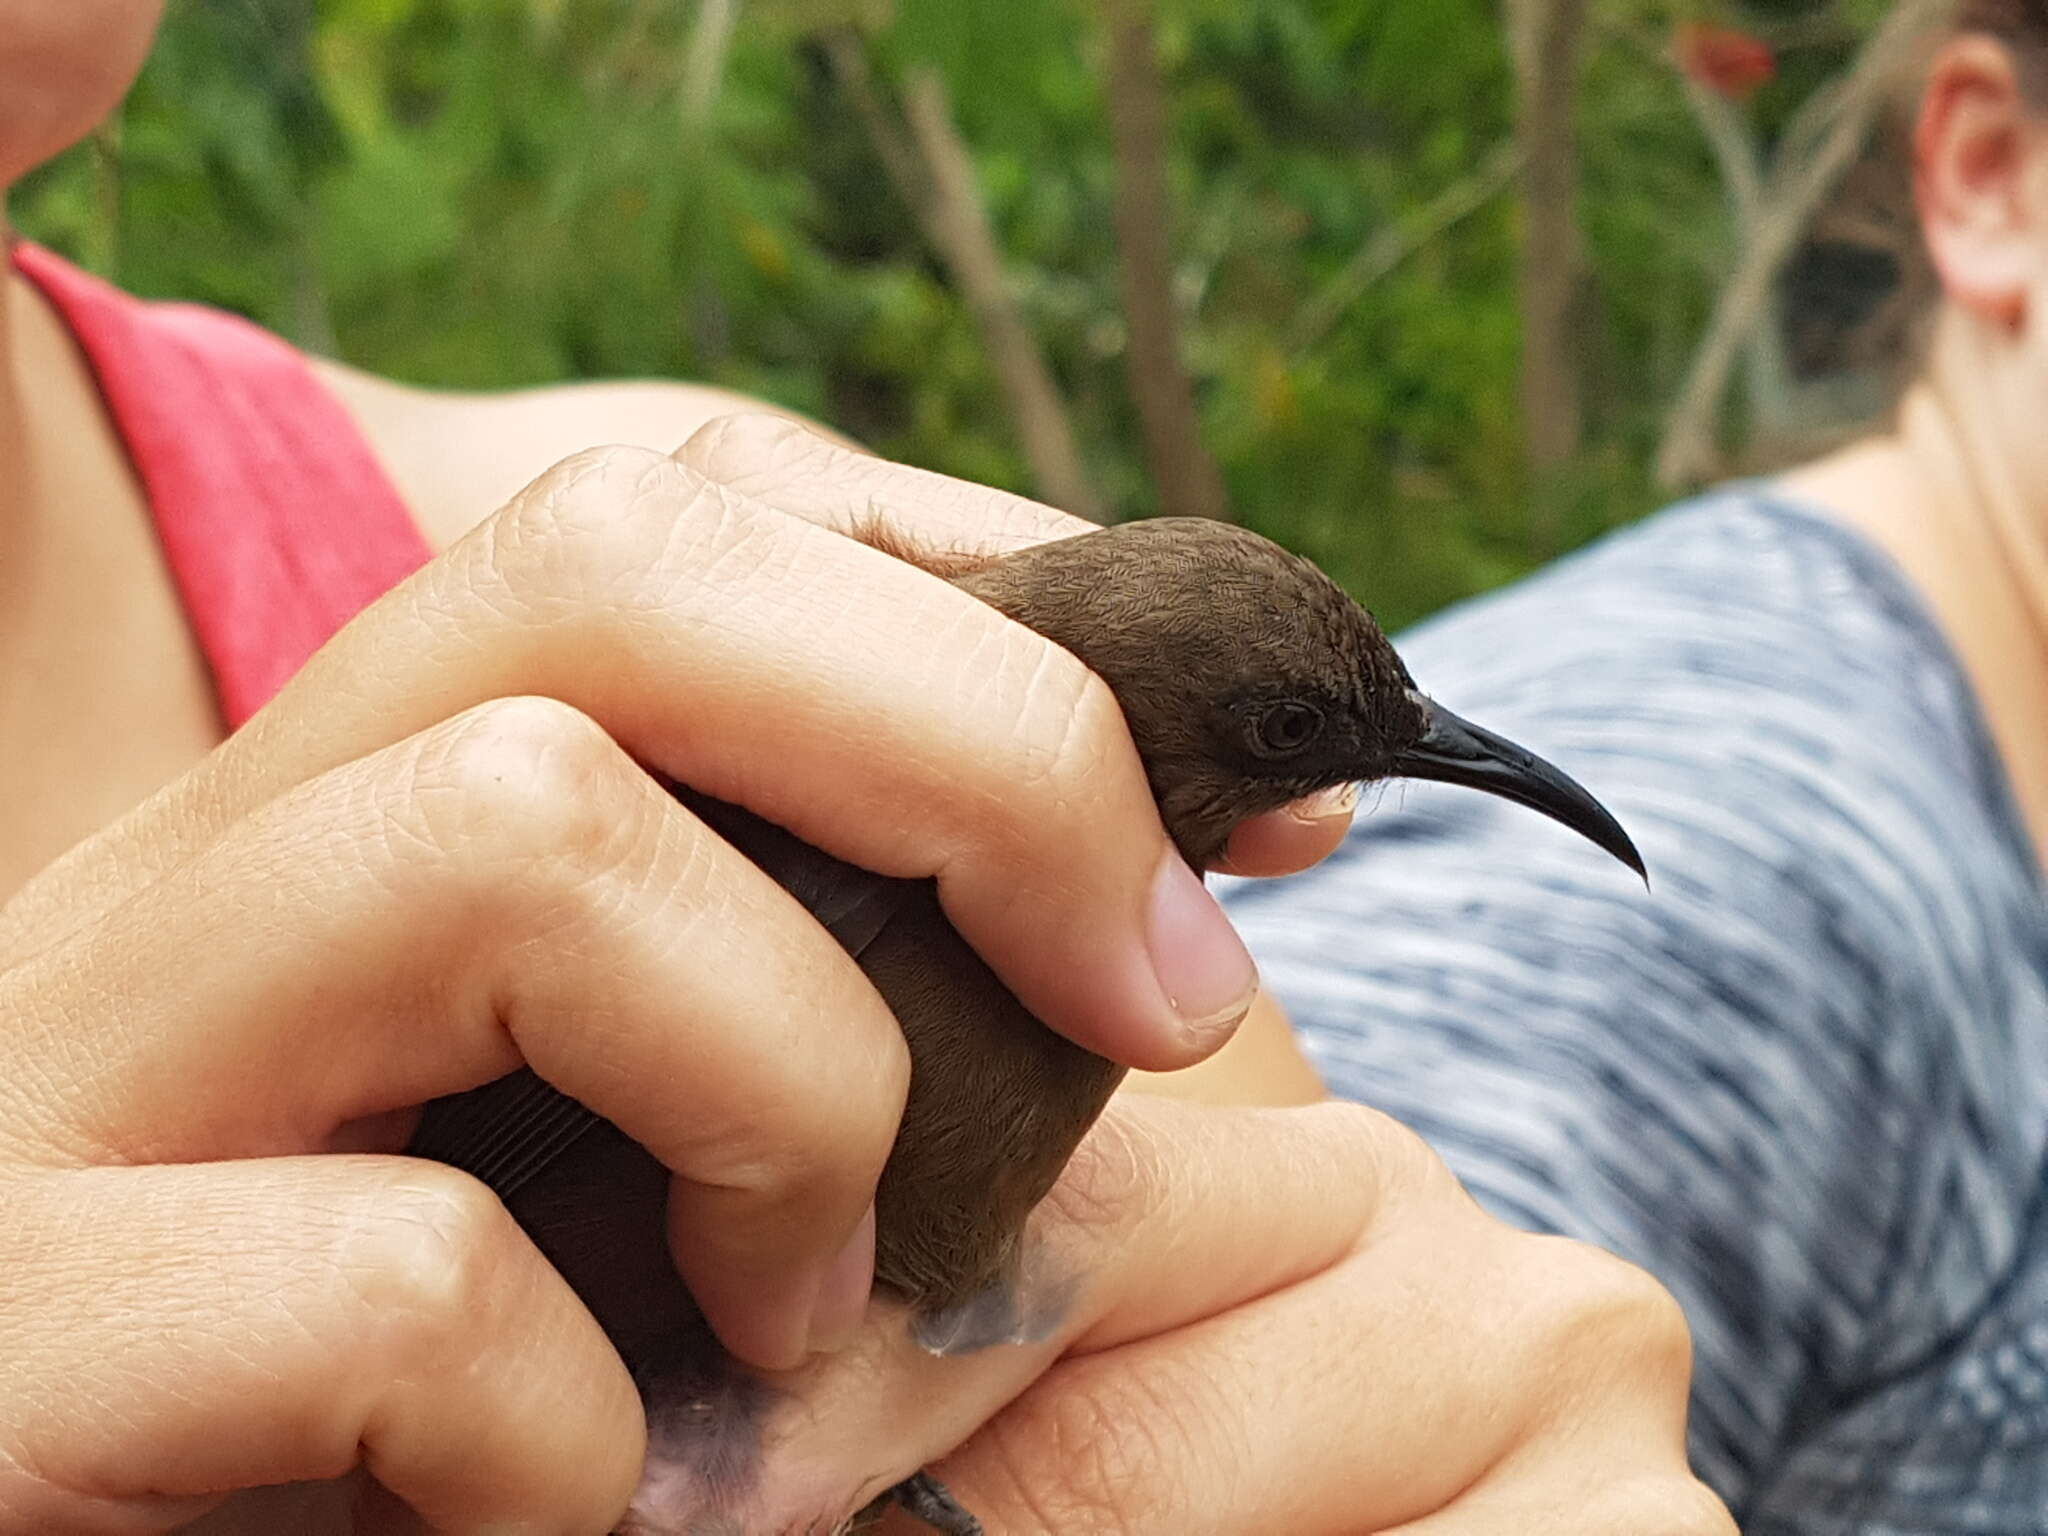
<point x="704" y="308"/>
<point x="1394" y="242"/>
<point x="1735" y="149"/>
<point x="704" y="65"/>
<point x="1546" y="35"/>
<point x="1818" y="147"/>
<point x="849" y="59"/>
<point x="1766" y="375"/>
<point x="1183" y="469"/>
<point x="934" y="173"/>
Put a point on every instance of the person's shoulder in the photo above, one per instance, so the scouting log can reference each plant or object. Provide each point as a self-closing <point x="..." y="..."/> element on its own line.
<point x="1743" y="633"/>
<point x="1744" y="567"/>
<point x="457" y="457"/>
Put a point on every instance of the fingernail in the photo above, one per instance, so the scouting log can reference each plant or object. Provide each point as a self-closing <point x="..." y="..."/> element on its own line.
<point x="842" y="1302"/>
<point x="1202" y="965"/>
<point x="1325" y="804"/>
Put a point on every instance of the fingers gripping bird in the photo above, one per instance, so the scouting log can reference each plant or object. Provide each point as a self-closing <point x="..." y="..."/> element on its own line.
<point x="1248" y="680"/>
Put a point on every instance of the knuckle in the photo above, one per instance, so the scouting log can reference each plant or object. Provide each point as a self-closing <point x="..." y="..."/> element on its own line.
<point x="1695" y="1511"/>
<point x="427" y="1256"/>
<point x="1394" y="1151"/>
<point x="598" y="528"/>
<point x="753" y="450"/>
<point x="1674" y="1505"/>
<point x="1403" y="1168"/>
<point x="869" y="1100"/>
<point x="763" y="453"/>
<point x="814" y="1143"/>
<point x="1609" y="1317"/>
<point x="587" y="490"/>
<point x="809" y="1125"/>
<point x="527" y="781"/>
<point x="583" y="493"/>
<point x="801" y="1129"/>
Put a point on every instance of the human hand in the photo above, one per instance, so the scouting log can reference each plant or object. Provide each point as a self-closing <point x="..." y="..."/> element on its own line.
<point x="437" y="857"/>
<point x="1284" y="1320"/>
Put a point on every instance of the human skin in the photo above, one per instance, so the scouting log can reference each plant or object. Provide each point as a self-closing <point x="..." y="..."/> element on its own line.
<point x="220" y="1275"/>
<point x="1957" y="491"/>
<point x="456" y="456"/>
<point x="282" y="884"/>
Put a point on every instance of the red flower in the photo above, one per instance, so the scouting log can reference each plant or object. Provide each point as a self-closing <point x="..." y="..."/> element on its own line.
<point x="1722" y="59"/>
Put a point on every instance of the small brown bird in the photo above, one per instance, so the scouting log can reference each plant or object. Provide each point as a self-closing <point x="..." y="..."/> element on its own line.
<point x="1248" y="680"/>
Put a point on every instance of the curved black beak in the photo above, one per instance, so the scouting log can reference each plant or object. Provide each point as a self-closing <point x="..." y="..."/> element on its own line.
<point x="1455" y="751"/>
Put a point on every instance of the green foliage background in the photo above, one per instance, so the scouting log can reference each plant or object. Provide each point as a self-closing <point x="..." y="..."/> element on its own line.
<point x="488" y="193"/>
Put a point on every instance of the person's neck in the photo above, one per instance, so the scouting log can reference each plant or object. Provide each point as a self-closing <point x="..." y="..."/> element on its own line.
<point x="1974" y="427"/>
<point x="1957" y="494"/>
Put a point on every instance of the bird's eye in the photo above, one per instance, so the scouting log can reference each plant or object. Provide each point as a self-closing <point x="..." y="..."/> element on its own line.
<point x="1288" y="727"/>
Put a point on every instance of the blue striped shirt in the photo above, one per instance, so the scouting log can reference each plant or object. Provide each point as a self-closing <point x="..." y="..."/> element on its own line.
<point x="1804" y="1080"/>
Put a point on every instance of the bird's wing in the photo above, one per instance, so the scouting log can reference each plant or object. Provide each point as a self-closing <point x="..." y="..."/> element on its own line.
<point x="508" y="1131"/>
<point x="504" y="1132"/>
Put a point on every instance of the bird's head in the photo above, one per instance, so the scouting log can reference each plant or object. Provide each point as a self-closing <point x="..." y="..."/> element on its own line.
<point x="1250" y="680"/>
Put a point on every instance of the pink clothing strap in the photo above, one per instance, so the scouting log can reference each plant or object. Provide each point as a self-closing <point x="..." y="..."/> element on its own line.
<point x="277" y="520"/>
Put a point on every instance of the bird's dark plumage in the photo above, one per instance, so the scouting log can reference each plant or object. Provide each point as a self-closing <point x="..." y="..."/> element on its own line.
<point x="1248" y="680"/>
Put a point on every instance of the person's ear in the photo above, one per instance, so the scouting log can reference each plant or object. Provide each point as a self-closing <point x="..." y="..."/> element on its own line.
<point x="1979" y="156"/>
